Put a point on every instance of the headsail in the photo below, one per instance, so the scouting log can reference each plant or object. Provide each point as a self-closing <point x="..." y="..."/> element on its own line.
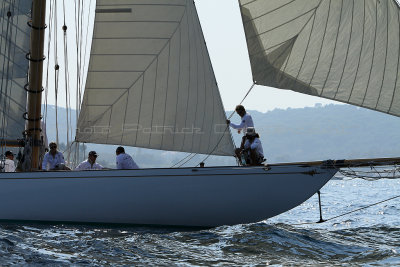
<point x="337" y="49"/>
<point x="150" y="81"/>
<point x="14" y="45"/>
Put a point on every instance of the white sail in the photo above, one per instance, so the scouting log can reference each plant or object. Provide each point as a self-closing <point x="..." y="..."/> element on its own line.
<point x="14" y="45"/>
<point x="345" y="50"/>
<point x="150" y="81"/>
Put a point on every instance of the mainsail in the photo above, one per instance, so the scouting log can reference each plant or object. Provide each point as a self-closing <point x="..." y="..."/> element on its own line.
<point x="150" y="81"/>
<point x="14" y="45"/>
<point x="344" y="50"/>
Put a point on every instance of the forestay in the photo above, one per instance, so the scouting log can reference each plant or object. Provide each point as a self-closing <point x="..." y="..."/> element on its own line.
<point x="14" y="45"/>
<point x="345" y="50"/>
<point x="150" y="81"/>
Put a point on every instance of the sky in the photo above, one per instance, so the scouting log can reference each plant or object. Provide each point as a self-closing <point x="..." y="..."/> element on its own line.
<point x="224" y="35"/>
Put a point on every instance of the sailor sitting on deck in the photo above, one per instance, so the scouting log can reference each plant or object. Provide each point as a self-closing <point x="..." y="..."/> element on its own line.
<point x="53" y="160"/>
<point x="253" y="152"/>
<point x="125" y="161"/>
<point x="9" y="165"/>
<point x="90" y="163"/>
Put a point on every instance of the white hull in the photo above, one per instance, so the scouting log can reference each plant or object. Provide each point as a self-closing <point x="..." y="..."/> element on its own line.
<point x="184" y="197"/>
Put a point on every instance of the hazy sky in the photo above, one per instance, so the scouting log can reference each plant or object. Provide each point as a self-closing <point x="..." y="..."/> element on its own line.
<point x="223" y="31"/>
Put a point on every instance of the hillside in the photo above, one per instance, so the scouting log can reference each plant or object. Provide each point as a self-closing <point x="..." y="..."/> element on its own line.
<point x="306" y="134"/>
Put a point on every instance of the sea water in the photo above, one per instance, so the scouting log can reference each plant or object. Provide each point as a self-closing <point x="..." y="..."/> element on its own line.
<point x="369" y="237"/>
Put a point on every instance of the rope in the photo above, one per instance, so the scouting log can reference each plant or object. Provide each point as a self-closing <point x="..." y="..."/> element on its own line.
<point x="181" y="160"/>
<point x="347" y="213"/>
<point x="374" y="174"/>
<point x="227" y="127"/>
<point x="219" y="141"/>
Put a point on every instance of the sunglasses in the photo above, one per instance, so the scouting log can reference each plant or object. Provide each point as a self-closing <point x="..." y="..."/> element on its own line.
<point x="53" y="147"/>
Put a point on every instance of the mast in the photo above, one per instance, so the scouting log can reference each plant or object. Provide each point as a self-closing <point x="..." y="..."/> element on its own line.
<point x="36" y="57"/>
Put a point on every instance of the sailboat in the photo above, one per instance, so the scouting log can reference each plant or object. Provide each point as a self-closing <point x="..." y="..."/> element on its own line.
<point x="150" y="84"/>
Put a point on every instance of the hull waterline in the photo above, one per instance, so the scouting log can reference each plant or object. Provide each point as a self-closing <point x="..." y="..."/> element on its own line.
<point x="180" y="197"/>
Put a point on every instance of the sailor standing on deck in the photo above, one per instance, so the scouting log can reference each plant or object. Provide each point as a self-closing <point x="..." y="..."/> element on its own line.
<point x="125" y="161"/>
<point x="90" y="163"/>
<point x="9" y="165"/>
<point x="247" y="121"/>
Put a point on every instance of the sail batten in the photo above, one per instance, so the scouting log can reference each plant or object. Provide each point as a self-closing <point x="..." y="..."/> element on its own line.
<point x="150" y="81"/>
<point x="346" y="51"/>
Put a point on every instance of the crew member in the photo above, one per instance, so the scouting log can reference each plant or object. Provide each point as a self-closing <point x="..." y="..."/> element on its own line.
<point x="53" y="160"/>
<point x="90" y="163"/>
<point x="124" y="161"/>
<point x="247" y="121"/>
<point x="253" y="151"/>
<point x="9" y="165"/>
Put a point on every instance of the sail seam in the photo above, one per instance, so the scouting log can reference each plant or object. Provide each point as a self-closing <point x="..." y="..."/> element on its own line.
<point x="307" y="47"/>
<point x="179" y="82"/>
<point x="140" y="108"/>
<point x="166" y="95"/>
<point x="347" y="52"/>
<point x="291" y="20"/>
<point x="189" y="78"/>
<point x="197" y="80"/>
<point x="269" y="12"/>
<point x="373" y="53"/>
<point x="386" y="55"/>
<point x="202" y="44"/>
<point x="322" y="44"/>
<point x="359" y="59"/>
<point x="334" y="49"/>
<point x="398" y="61"/>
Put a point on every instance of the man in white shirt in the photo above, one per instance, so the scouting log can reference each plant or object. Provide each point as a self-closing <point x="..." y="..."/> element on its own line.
<point x="90" y="163"/>
<point x="247" y="120"/>
<point x="9" y="165"/>
<point x="53" y="160"/>
<point x="124" y="161"/>
<point x="253" y="151"/>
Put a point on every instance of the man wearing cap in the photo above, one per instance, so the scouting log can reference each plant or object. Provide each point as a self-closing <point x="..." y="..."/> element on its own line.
<point x="9" y="165"/>
<point x="53" y="160"/>
<point x="124" y="161"/>
<point x="253" y="151"/>
<point x="90" y="163"/>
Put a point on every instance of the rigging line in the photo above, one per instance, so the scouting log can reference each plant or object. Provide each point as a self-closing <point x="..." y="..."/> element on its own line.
<point x="66" y="76"/>
<point x="4" y="94"/>
<point x="188" y="160"/>
<point x="9" y="88"/>
<point x="227" y="127"/>
<point x="187" y="156"/>
<point x="374" y="204"/>
<point x="56" y="73"/>
<point x="51" y="17"/>
<point x="347" y="213"/>
<point x="248" y="92"/>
